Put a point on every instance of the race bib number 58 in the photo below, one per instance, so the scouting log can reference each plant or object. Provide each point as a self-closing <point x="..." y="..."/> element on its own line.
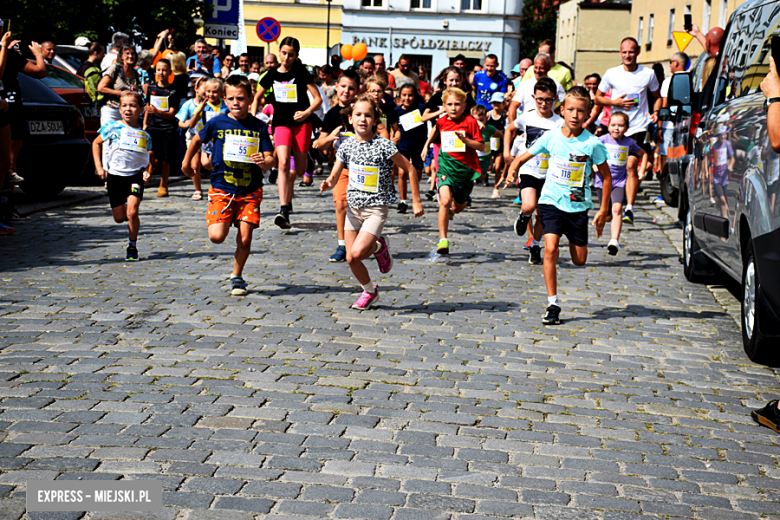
<point x="364" y="178"/>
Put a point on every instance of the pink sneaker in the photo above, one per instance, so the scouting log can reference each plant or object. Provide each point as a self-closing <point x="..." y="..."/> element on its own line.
<point x="383" y="257"/>
<point x="367" y="299"/>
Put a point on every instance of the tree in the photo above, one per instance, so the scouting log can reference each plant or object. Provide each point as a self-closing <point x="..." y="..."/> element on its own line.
<point x="62" y="21"/>
<point x="537" y="23"/>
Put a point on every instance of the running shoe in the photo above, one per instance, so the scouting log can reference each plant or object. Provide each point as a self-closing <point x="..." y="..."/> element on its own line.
<point x="496" y="194"/>
<point x="402" y="207"/>
<point x="536" y="256"/>
<point x="367" y="299"/>
<point x="529" y="243"/>
<point x="15" y="177"/>
<point x="132" y="254"/>
<point x="443" y="247"/>
<point x="16" y="216"/>
<point x="613" y="247"/>
<point x="162" y="191"/>
<point x="521" y="224"/>
<point x="468" y="203"/>
<point x="768" y="416"/>
<point x="290" y="208"/>
<point x="658" y="199"/>
<point x="451" y="213"/>
<point x="517" y="201"/>
<point x="552" y="316"/>
<point x="712" y="201"/>
<point x="628" y="217"/>
<point x="340" y="255"/>
<point x="282" y="221"/>
<point x="237" y="286"/>
<point x="383" y="257"/>
<point x="6" y="230"/>
<point x="273" y="176"/>
<point x="429" y="194"/>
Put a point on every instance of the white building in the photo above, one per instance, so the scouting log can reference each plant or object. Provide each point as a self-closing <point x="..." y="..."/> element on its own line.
<point x="432" y="32"/>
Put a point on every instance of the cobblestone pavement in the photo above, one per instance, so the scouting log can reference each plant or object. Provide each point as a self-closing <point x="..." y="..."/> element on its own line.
<point x="450" y="401"/>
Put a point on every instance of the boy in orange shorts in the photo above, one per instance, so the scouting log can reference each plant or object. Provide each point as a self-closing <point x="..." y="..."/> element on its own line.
<point x="242" y="150"/>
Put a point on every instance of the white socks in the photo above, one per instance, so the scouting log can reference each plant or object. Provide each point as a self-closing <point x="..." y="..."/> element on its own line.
<point x="553" y="300"/>
<point x="343" y="243"/>
<point x="368" y="287"/>
<point x="629" y="207"/>
<point x="535" y="243"/>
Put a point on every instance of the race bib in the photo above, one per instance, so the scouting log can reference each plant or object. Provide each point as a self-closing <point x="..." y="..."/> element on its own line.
<point x="383" y="120"/>
<point x="538" y="165"/>
<point x="132" y="140"/>
<point x="495" y="144"/>
<point x="411" y="120"/>
<point x="721" y="157"/>
<point x="451" y="143"/>
<point x="485" y="151"/>
<point x="566" y="172"/>
<point x="238" y="148"/>
<point x="364" y="178"/>
<point x="617" y="155"/>
<point x="159" y="102"/>
<point x="632" y="97"/>
<point x="286" y="93"/>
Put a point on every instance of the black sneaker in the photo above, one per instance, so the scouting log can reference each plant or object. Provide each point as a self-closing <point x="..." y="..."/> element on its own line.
<point x="536" y="256"/>
<point x="282" y="220"/>
<point x="521" y="224"/>
<point x="552" y="316"/>
<point x="468" y="201"/>
<point x="132" y="254"/>
<point x="430" y="194"/>
<point x="628" y="217"/>
<point x="402" y="207"/>
<point x="272" y="176"/>
<point x="768" y="416"/>
<point x="289" y="208"/>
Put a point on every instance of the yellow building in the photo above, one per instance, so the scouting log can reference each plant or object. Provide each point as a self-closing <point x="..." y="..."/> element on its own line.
<point x="652" y="23"/>
<point x="305" y="20"/>
<point x="589" y="35"/>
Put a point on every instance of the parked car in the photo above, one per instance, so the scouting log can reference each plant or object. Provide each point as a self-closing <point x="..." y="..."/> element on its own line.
<point x="71" y="88"/>
<point x="55" y="151"/>
<point x="68" y="57"/>
<point x="730" y="197"/>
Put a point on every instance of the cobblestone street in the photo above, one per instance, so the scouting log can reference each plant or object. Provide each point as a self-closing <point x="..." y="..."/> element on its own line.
<point x="450" y="401"/>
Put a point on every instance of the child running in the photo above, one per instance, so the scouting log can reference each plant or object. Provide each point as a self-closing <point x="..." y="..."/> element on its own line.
<point x="369" y="160"/>
<point x="334" y="132"/>
<point x="623" y="155"/>
<point x="566" y="198"/>
<point x="242" y="149"/>
<point x="126" y="166"/>
<point x="533" y="124"/>
<point x="458" y="161"/>
<point x="413" y="135"/>
<point x="489" y="132"/>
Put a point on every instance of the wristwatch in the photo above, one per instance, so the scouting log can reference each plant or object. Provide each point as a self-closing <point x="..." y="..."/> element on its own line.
<point x="771" y="100"/>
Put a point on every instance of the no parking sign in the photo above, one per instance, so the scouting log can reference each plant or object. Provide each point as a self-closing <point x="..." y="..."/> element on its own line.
<point x="268" y="29"/>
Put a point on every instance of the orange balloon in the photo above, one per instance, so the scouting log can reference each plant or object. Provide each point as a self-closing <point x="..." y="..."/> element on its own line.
<point x="346" y="51"/>
<point x="359" y="51"/>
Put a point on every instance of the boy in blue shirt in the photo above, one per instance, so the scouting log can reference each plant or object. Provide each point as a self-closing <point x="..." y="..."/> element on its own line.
<point x="566" y="199"/>
<point x="242" y="150"/>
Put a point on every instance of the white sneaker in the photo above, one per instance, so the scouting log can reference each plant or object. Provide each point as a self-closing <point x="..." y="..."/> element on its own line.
<point x="15" y="177"/>
<point x="496" y="194"/>
<point x="613" y="247"/>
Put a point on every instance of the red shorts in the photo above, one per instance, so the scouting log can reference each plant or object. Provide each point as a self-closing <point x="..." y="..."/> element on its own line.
<point x="296" y="137"/>
<point x="340" y="189"/>
<point x="226" y="207"/>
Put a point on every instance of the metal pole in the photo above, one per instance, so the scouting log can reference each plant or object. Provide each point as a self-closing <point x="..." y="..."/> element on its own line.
<point x="327" y="37"/>
<point x="391" y="45"/>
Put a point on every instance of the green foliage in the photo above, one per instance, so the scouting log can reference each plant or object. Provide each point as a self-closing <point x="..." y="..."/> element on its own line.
<point x="62" y="21"/>
<point x="538" y="23"/>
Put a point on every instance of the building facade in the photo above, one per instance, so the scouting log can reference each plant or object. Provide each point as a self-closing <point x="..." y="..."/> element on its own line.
<point x="652" y="23"/>
<point x="432" y="32"/>
<point x="585" y="41"/>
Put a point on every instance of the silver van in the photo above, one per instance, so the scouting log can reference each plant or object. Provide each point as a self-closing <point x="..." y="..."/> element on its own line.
<point x="730" y="194"/>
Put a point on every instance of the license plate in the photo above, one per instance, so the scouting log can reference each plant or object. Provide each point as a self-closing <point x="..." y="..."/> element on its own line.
<point x="46" y="127"/>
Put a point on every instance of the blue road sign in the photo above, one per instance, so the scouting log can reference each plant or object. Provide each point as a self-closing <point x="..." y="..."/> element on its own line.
<point x="221" y="12"/>
<point x="268" y="29"/>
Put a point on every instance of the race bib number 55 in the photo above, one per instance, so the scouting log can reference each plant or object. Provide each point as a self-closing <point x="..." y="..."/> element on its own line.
<point x="239" y="148"/>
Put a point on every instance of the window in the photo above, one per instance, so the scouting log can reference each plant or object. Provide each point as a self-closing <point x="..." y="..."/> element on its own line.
<point x="650" y="27"/>
<point x="639" y="28"/>
<point x="671" y="28"/>
<point x="705" y="19"/>
<point x="421" y="4"/>
<point x="470" y="5"/>
<point x="724" y="9"/>
<point x="371" y="3"/>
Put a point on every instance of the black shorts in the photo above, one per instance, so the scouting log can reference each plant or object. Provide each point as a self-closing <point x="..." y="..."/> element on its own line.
<point x="18" y="122"/>
<point x="529" y="181"/>
<point x="120" y="188"/>
<point x="639" y="139"/>
<point x="165" y="145"/>
<point x="415" y="159"/>
<point x="720" y="190"/>
<point x="573" y="226"/>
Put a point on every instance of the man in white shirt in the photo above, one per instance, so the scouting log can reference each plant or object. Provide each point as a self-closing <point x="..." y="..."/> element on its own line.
<point x="524" y="97"/>
<point x="678" y="63"/>
<point x="633" y="88"/>
<point x="117" y="40"/>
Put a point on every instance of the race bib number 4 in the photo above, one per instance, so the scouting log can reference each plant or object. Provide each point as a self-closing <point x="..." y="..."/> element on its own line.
<point x="132" y="140"/>
<point x="159" y="102"/>
<point x="451" y="143"/>
<point x="239" y="148"/>
<point x="617" y="155"/>
<point x="364" y="178"/>
<point x="566" y="172"/>
<point x="286" y="93"/>
<point x="411" y="120"/>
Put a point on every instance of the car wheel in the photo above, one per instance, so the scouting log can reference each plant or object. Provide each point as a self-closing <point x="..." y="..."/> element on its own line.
<point x="690" y="247"/>
<point x="756" y="345"/>
<point x="669" y="193"/>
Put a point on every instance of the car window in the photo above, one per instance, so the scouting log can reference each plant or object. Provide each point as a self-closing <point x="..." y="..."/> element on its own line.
<point x="35" y="91"/>
<point x="744" y="56"/>
<point x="75" y="59"/>
<point x="59" y="78"/>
